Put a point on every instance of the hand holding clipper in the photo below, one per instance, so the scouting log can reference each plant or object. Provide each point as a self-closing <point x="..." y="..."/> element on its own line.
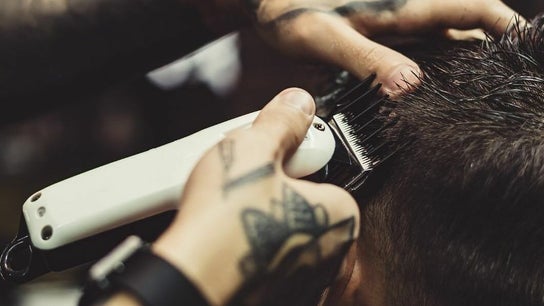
<point x="264" y="223"/>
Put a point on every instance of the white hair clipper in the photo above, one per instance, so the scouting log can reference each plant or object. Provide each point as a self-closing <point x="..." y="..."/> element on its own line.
<point x="79" y="219"/>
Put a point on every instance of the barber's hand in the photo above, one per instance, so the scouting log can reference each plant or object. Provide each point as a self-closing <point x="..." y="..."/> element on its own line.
<point x="244" y="224"/>
<point x="341" y="31"/>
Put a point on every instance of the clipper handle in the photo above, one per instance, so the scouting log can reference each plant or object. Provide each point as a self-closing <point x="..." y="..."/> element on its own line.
<point x="144" y="185"/>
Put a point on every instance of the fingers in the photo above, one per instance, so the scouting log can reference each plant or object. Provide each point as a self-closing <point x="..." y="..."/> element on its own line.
<point x="334" y="41"/>
<point x="475" y="34"/>
<point x="285" y="120"/>
<point x="252" y="155"/>
<point x="501" y="18"/>
<point x="363" y="57"/>
<point x="492" y="15"/>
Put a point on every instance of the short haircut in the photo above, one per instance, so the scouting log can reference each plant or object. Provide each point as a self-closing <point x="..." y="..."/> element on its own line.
<point x="459" y="216"/>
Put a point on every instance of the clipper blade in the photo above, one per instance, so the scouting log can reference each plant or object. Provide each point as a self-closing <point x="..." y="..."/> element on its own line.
<point x="355" y="112"/>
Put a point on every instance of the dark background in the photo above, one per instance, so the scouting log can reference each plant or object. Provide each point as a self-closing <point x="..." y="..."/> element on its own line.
<point x="132" y="117"/>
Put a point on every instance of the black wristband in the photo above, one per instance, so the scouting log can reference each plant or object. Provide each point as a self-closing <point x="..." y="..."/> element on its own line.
<point x="148" y="277"/>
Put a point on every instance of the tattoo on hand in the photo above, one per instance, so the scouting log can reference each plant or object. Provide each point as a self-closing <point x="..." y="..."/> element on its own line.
<point x="370" y="6"/>
<point x="293" y="232"/>
<point x="251" y="177"/>
<point x="226" y="152"/>
<point x="350" y="8"/>
<point x="226" y="155"/>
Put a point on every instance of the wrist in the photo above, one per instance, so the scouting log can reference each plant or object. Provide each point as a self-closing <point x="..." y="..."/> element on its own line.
<point x="209" y="261"/>
<point x="131" y="274"/>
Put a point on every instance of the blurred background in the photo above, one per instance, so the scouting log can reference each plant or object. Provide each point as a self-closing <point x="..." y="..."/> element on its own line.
<point x="234" y="75"/>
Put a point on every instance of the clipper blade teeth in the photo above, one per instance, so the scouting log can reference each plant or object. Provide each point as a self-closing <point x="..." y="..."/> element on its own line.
<point x="356" y="99"/>
<point x="357" y="119"/>
<point x="359" y="114"/>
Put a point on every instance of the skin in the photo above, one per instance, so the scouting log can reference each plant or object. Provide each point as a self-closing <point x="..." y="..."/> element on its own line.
<point x="345" y="33"/>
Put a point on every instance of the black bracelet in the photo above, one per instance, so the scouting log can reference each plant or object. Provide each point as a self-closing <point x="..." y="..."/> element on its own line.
<point x="134" y="269"/>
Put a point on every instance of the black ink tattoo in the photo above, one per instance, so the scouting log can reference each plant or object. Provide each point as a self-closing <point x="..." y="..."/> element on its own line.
<point x="351" y="8"/>
<point x="251" y="177"/>
<point x="371" y="6"/>
<point x="291" y="15"/>
<point x="226" y="152"/>
<point x="294" y="230"/>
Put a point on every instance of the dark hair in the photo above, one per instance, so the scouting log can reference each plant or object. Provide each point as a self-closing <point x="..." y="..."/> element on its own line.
<point x="459" y="219"/>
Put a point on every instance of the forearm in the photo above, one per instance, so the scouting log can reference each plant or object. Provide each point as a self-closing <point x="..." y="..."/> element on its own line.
<point x="63" y="48"/>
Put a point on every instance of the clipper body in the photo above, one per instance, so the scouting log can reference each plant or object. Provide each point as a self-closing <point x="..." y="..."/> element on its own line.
<point x="103" y="200"/>
<point x="80" y="219"/>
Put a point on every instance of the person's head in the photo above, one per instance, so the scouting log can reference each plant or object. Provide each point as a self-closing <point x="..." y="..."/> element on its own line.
<point x="459" y="216"/>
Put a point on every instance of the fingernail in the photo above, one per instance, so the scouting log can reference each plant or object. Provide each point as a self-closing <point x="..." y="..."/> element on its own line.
<point x="403" y="79"/>
<point x="300" y="99"/>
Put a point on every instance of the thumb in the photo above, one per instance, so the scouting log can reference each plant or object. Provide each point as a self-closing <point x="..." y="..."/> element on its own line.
<point x="285" y="120"/>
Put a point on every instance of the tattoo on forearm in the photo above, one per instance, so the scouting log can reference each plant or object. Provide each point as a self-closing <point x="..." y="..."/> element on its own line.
<point x="251" y="177"/>
<point x="292" y="232"/>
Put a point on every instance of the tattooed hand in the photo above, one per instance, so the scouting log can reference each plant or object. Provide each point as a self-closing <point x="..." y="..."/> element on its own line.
<point x="247" y="233"/>
<point x="340" y="31"/>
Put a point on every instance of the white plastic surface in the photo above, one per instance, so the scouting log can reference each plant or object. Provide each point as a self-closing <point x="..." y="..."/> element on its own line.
<point x="143" y="185"/>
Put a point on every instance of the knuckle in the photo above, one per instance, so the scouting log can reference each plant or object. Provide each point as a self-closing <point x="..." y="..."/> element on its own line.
<point x="302" y="29"/>
<point x="285" y="128"/>
<point x="299" y="34"/>
<point x="373" y="58"/>
<point x="344" y="203"/>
